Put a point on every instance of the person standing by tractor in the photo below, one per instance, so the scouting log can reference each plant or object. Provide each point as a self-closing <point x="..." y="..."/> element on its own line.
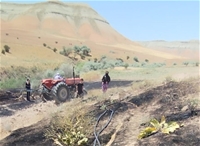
<point x="80" y="89"/>
<point x="105" y="81"/>
<point x="28" y="88"/>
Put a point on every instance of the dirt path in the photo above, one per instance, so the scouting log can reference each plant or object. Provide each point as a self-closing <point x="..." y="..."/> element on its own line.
<point x="127" y="122"/>
<point x="25" y="116"/>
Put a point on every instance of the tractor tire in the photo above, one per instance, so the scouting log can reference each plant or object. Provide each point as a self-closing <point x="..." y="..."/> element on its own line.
<point x="45" y="93"/>
<point x="47" y="97"/>
<point x="61" y="92"/>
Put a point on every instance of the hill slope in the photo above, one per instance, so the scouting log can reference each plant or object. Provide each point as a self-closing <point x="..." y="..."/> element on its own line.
<point x="27" y="27"/>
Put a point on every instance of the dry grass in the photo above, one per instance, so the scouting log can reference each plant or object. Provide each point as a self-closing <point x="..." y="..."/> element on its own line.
<point x="73" y="128"/>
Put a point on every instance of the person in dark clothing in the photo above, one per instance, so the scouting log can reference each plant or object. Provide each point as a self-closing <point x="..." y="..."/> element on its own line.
<point x="105" y="81"/>
<point x="80" y="89"/>
<point x="28" y="88"/>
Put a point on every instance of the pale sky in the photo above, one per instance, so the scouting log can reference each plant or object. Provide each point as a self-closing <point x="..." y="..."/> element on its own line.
<point x="148" y="20"/>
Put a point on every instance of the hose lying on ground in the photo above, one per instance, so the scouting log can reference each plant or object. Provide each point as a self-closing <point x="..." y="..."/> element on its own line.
<point x="96" y="134"/>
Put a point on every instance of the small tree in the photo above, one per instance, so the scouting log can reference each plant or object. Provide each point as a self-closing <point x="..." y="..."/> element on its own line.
<point x="85" y="50"/>
<point x="7" y="48"/>
<point x="135" y="59"/>
<point x="3" y="52"/>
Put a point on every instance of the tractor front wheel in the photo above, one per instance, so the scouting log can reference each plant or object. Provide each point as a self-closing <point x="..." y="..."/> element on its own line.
<point x="61" y="92"/>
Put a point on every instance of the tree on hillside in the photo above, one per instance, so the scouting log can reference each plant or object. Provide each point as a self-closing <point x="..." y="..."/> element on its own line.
<point x="54" y="49"/>
<point x="85" y="50"/>
<point x="77" y="49"/>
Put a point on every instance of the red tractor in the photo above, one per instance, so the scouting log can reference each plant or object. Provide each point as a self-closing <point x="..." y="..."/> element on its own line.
<point x="60" y="90"/>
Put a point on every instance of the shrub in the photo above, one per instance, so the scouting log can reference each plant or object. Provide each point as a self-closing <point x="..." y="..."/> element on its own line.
<point x="146" y="60"/>
<point x="126" y="65"/>
<point x="95" y="59"/>
<point x="7" y="48"/>
<point x="76" y="49"/>
<point x="44" y="45"/>
<point x="70" y="129"/>
<point x="66" y="52"/>
<point x="127" y="57"/>
<point x="186" y="63"/>
<point x="197" y="63"/>
<point x="135" y="59"/>
<point x="54" y="49"/>
<point x="102" y="58"/>
<point x="174" y="64"/>
<point x="121" y="60"/>
<point x="3" y="52"/>
<point x="85" y="50"/>
<point x="49" y="47"/>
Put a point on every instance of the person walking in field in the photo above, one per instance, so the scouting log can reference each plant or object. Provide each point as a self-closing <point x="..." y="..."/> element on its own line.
<point x="80" y="89"/>
<point x="28" y="88"/>
<point x="105" y="81"/>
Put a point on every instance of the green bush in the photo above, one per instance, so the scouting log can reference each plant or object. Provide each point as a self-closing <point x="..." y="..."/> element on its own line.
<point x="126" y="65"/>
<point x="3" y="52"/>
<point x="14" y="82"/>
<point x="7" y="48"/>
<point x="95" y="59"/>
<point x="135" y="59"/>
<point x="85" y="50"/>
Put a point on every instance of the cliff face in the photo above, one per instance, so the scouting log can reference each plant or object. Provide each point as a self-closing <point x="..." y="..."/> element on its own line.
<point x="65" y="19"/>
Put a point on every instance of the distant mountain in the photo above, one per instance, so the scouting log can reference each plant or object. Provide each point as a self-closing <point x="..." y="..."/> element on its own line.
<point x="183" y="48"/>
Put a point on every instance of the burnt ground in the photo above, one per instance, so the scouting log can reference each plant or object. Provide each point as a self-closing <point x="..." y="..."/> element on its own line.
<point x="168" y="99"/>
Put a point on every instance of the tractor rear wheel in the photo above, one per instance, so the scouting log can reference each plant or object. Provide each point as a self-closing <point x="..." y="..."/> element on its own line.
<point x="61" y="92"/>
<point x="47" y="96"/>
